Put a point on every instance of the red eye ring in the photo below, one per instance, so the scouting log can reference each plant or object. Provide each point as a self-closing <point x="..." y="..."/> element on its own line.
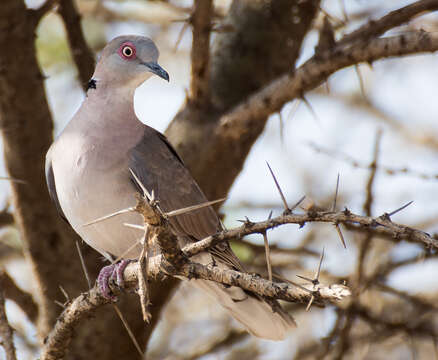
<point x="127" y="51"/>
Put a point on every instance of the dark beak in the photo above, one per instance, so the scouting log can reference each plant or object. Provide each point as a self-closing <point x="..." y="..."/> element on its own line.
<point x="157" y="70"/>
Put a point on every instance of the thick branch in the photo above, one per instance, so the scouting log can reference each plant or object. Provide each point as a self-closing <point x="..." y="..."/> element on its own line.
<point x="82" y="55"/>
<point x="395" y="18"/>
<point x="200" y="55"/>
<point x="312" y="73"/>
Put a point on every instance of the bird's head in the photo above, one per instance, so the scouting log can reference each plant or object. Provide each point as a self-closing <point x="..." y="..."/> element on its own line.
<point x="129" y="60"/>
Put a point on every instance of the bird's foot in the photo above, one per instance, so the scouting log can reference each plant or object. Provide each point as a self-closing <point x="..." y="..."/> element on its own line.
<point x="111" y="272"/>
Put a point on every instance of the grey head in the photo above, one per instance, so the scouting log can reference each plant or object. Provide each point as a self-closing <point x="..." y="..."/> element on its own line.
<point x="128" y="61"/>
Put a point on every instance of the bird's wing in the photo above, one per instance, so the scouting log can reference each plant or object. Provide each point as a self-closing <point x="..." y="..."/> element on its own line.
<point x="159" y="168"/>
<point x="50" y="180"/>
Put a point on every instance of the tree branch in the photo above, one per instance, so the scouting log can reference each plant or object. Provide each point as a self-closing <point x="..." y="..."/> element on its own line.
<point x="81" y="53"/>
<point x="200" y="55"/>
<point x="395" y="18"/>
<point x="80" y="308"/>
<point x="312" y="73"/>
<point x="175" y="263"/>
<point x="22" y="298"/>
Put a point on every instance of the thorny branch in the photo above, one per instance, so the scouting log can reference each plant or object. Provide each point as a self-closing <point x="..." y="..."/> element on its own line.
<point x="393" y="19"/>
<point x="175" y="262"/>
<point x="312" y="73"/>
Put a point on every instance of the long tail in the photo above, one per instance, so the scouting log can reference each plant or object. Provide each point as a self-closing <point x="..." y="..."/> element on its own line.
<point x="256" y="315"/>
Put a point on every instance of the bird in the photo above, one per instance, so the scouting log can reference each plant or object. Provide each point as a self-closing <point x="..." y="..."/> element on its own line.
<point x="91" y="170"/>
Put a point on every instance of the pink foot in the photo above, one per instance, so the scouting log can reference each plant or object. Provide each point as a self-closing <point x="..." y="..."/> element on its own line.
<point x="111" y="272"/>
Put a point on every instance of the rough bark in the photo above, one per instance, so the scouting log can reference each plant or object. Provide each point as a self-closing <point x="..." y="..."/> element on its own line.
<point x="264" y="42"/>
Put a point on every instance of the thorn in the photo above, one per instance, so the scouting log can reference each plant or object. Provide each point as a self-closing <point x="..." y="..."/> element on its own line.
<point x="128" y="329"/>
<point x="361" y="83"/>
<point x="270" y="215"/>
<point x="64" y="293"/>
<point x="127" y="251"/>
<point x="145" y="192"/>
<point x="315" y="280"/>
<point x="336" y="194"/>
<point x="298" y="203"/>
<point x="246" y="222"/>
<point x="312" y="111"/>
<point x="293" y="111"/>
<point x="305" y="278"/>
<point x="139" y="227"/>
<point x="319" y="265"/>
<point x="400" y="209"/>
<point x="84" y="268"/>
<point x="59" y="304"/>
<point x="310" y="303"/>
<point x="280" y="118"/>
<point x="193" y="208"/>
<point x="106" y="217"/>
<point x="286" y="207"/>
<point x="341" y="236"/>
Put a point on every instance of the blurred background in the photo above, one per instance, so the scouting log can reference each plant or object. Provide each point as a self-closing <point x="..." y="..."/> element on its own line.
<point x="333" y="131"/>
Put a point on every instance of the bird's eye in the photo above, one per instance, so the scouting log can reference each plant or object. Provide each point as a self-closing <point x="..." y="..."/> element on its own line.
<point x="127" y="51"/>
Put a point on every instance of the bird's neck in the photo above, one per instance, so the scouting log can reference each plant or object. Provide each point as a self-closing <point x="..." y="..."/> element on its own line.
<point x="112" y="106"/>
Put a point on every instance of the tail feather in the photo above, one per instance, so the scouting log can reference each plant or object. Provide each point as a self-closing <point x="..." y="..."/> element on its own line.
<point x="256" y="315"/>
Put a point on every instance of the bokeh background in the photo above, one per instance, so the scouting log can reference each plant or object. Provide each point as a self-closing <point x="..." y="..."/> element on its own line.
<point x="307" y="145"/>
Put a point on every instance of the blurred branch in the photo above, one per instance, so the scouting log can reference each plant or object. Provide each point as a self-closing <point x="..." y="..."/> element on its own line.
<point x="366" y="242"/>
<point x="395" y="18"/>
<point x="22" y="298"/>
<point x="6" y="218"/>
<point x="44" y="9"/>
<point x="390" y="171"/>
<point x="82" y="55"/>
<point x="6" y="333"/>
<point x="200" y="55"/>
<point x="312" y="73"/>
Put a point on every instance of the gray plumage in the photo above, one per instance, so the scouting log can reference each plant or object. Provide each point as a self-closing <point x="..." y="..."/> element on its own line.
<point x="88" y="176"/>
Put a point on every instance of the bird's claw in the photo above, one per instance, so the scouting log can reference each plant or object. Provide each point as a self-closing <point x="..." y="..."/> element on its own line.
<point x="111" y="272"/>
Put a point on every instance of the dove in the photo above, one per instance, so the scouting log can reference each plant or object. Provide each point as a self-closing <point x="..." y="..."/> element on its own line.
<point x="90" y="171"/>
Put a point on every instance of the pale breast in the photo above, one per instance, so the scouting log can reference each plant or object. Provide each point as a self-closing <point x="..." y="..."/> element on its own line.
<point x="92" y="181"/>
